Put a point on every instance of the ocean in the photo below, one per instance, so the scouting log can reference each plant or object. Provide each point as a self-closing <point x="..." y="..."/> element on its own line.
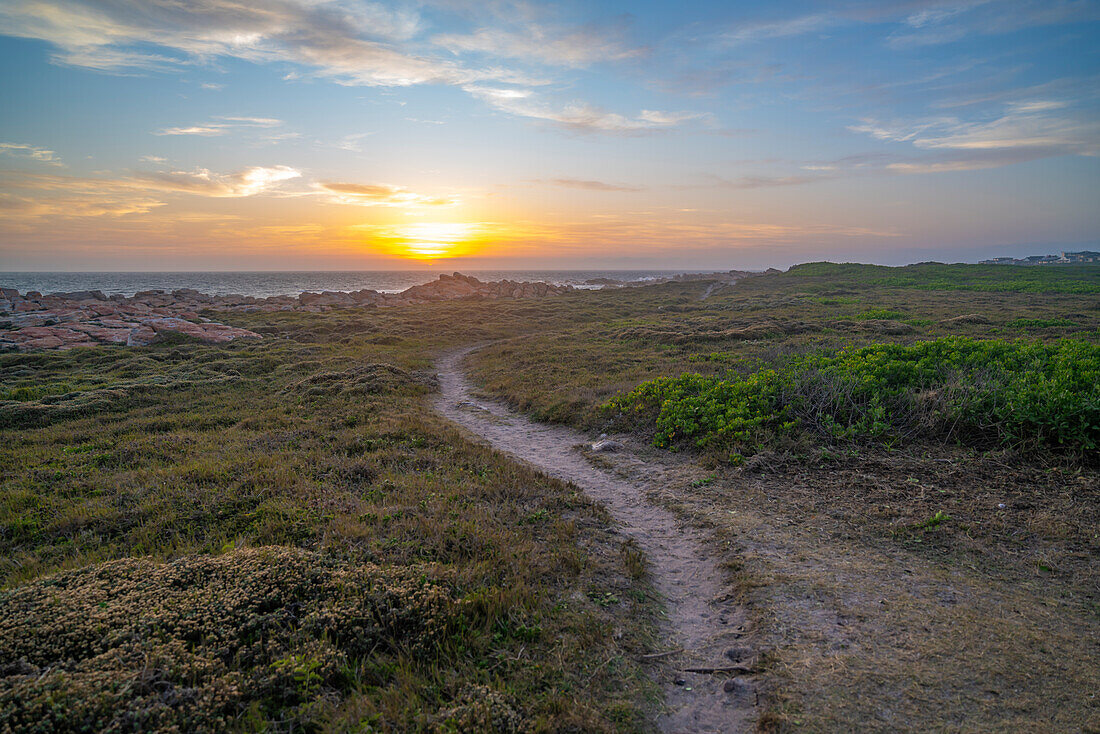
<point x="264" y="284"/>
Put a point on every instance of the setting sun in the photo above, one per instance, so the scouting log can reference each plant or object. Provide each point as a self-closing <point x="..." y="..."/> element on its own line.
<point x="431" y="240"/>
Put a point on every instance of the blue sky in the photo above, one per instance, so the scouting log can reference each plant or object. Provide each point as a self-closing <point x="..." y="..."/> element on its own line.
<point x="334" y="134"/>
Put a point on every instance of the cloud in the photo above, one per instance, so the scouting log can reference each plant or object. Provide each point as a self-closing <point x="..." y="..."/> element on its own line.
<point x="970" y="162"/>
<point x="352" y="142"/>
<point x="347" y="43"/>
<point x="32" y="197"/>
<point x="1044" y="127"/>
<point x="569" y="47"/>
<point x="758" y="182"/>
<point x="360" y="44"/>
<point x="34" y="153"/>
<point x="1058" y="135"/>
<point x="577" y="183"/>
<point x="205" y="130"/>
<point x="578" y="116"/>
<point x="221" y="126"/>
<point x="247" y="182"/>
<point x="29" y="196"/>
<point x="948" y="22"/>
<point x="379" y="195"/>
<point x="764" y="31"/>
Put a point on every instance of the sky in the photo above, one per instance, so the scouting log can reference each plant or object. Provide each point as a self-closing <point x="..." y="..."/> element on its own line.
<point x="336" y="134"/>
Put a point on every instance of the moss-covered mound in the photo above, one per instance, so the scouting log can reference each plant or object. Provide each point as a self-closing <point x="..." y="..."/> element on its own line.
<point x="206" y="642"/>
<point x="368" y="379"/>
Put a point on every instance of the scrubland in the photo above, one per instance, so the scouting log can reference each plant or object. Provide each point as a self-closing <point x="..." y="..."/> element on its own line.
<point x="897" y="465"/>
<point x="900" y="464"/>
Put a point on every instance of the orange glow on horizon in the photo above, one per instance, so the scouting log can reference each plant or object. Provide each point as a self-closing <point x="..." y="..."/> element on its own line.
<point x="429" y="240"/>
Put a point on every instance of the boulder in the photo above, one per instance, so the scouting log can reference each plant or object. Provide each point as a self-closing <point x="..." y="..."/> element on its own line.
<point x="142" y="336"/>
<point x="80" y="296"/>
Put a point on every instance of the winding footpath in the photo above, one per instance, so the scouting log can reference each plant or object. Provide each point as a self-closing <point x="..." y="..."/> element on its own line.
<point x="701" y="619"/>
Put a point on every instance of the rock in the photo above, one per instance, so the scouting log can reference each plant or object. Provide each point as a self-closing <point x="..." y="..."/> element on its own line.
<point x="80" y="296"/>
<point x="142" y="336"/>
<point x="737" y="654"/>
<point x="104" y="334"/>
<point x="210" y="333"/>
<point x="46" y="342"/>
<point x="95" y="318"/>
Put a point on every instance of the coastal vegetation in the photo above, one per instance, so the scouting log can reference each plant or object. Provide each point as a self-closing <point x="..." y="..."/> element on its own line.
<point x="980" y="392"/>
<point x="281" y="534"/>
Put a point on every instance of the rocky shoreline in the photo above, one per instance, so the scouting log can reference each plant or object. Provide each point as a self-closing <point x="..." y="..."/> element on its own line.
<point x="33" y="321"/>
<point x="727" y="276"/>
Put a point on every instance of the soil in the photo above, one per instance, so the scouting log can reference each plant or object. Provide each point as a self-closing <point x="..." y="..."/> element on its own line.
<point x="706" y="628"/>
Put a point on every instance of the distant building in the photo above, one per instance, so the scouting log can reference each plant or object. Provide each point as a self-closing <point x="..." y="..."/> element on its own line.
<point x="1064" y="258"/>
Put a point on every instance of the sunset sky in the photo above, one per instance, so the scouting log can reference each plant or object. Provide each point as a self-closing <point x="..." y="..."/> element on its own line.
<point x="332" y="134"/>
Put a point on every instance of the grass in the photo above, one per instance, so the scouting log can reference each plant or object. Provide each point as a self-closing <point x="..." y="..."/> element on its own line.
<point x="130" y="478"/>
<point x="314" y="452"/>
<point x="1081" y="279"/>
<point x="877" y="570"/>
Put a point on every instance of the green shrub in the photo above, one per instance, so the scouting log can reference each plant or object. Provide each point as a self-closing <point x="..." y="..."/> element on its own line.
<point x="980" y="392"/>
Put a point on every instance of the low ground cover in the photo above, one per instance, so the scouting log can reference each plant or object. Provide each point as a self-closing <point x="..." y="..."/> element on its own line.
<point x="314" y="456"/>
<point x="880" y="563"/>
<point x="283" y="536"/>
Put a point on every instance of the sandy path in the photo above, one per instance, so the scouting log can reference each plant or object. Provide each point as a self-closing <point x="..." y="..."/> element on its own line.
<point x="700" y="616"/>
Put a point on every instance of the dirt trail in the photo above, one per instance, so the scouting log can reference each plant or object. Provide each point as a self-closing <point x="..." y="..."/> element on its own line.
<point x="711" y="289"/>
<point x="700" y="615"/>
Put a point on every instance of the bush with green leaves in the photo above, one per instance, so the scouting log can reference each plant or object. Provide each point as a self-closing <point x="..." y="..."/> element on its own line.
<point x="980" y="392"/>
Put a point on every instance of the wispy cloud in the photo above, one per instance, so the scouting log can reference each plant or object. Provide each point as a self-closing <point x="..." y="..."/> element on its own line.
<point x="785" y="28"/>
<point x="553" y="46"/>
<point x="31" y="152"/>
<point x="34" y="196"/>
<point x="351" y="44"/>
<point x="247" y="182"/>
<point x="713" y="181"/>
<point x="379" y="195"/>
<point x="361" y="44"/>
<point x="578" y="116"/>
<point x="203" y="130"/>
<point x="589" y="185"/>
<point x="353" y="142"/>
<point x="221" y="126"/>
<point x="951" y="21"/>
<point x="1045" y="127"/>
<point x="30" y="197"/>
